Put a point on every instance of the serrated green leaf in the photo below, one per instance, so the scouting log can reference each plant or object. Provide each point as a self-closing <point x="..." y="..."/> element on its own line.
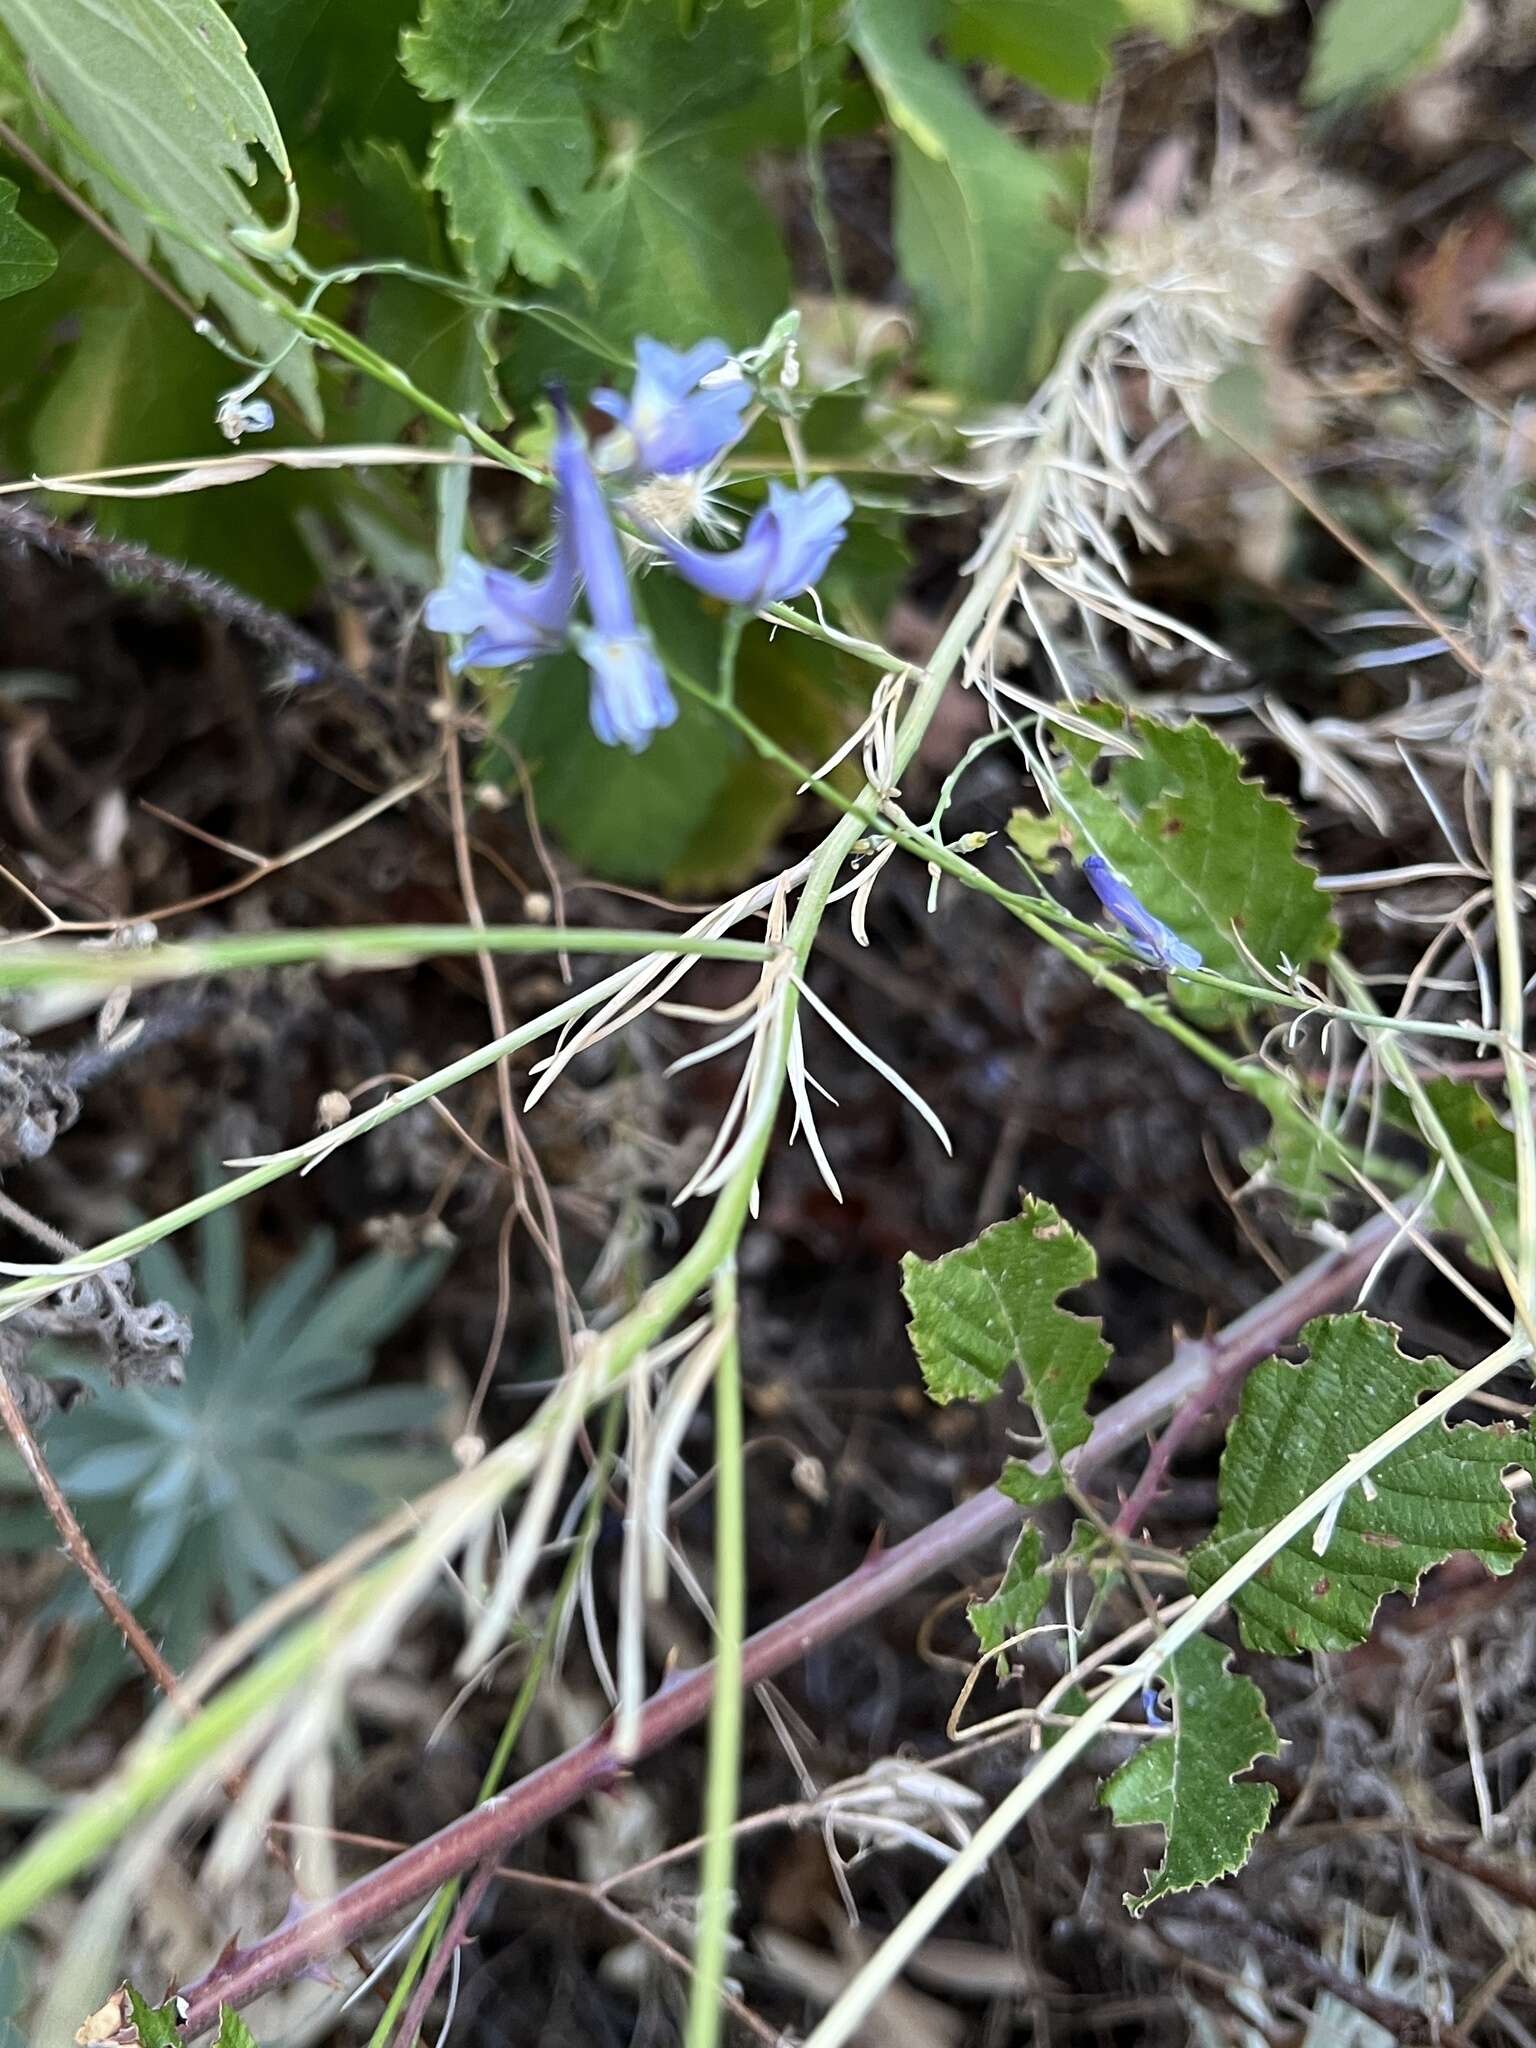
<point x="1036" y="838"/>
<point x="26" y="257"/>
<point x="163" y="113"/>
<point x="233" y="2032"/>
<point x="1206" y="850"/>
<point x="442" y="344"/>
<point x="1442" y="1493"/>
<point x="517" y="147"/>
<point x="1016" y="1604"/>
<point x="673" y="235"/>
<point x="1061" y="46"/>
<point x="1183" y="1783"/>
<point x="1486" y="1148"/>
<point x="1362" y="49"/>
<point x="992" y="1305"/>
<point x="157" y="2026"/>
<point x="981" y="222"/>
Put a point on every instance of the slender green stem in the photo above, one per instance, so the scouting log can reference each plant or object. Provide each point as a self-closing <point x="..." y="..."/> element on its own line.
<point x="512" y="1728"/>
<point x="1506" y="911"/>
<point x="735" y="625"/>
<point x="717" y="1865"/>
<point x="49" y="964"/>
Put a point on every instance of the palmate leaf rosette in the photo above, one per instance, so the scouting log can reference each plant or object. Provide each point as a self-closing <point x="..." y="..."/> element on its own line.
<point x="1208" y="851"/>
<point x="201" y="1499"/>
<point x="1444" y="1492"/>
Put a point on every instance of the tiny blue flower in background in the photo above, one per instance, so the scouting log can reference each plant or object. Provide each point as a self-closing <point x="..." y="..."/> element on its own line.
<point x="785" y="549"/>
<point x="674" y="424"/>
<point x="1149" y="936"/>
<point x="507" y="619"/>
<point x="1152" y="1706"/>
<point x="630" y="698"/>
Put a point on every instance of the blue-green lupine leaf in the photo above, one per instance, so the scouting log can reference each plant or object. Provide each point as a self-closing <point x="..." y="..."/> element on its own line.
<point x="1361" y="49"/>
<point x="1206" y="850"/>
<point x="1183" y="1782"/>
<point x="980" y="1311"/>
<point x="1442" y="1493"/>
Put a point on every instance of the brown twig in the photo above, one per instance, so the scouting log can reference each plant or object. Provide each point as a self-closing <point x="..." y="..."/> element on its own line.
<point x="1230" y="1360"/>
<point x="78" y="1546"/>
<point x="683" y="1699"/>
<point x="522" y="1161"/>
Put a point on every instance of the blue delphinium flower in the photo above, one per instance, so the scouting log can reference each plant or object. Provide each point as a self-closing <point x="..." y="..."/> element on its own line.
<point x="785" y="549"/>
<point x="674" y="423"/>
<point x="630" y="699"/>
<point x="507" y="618"/>
<point x="1150" y="938"/>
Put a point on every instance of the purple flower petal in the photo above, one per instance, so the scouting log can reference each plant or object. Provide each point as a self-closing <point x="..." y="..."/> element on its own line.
<point x="1156" y="943"/>
<point x="507" y="619"/>
<point x="630" y="699"/>
<point x="784" y="551"/>
<point x="676" y="426"/>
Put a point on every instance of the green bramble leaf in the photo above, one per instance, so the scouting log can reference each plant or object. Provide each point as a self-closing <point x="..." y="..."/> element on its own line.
<point x="1484" y="1144"/>
<point x="673" y="235"/>
<point x="517" y="147"/>
<point x="1036" y="838"/>
<point x="26" y="257"/>
<point x="1016" y="1604"/>
<point x="981" y="222"/>
<point x="1206" y="850"/>
<point x="1183" y="1783"/>
<point x="992" y="1305"/>
<point x="1442" y="1493"/>
<point x="233" y="2032"/>
<point x="1061" y="46"/>
<point x="156" y="2026"/>
<point x="159" y="112"/>
<point x="1362" y="49"/>
<point x="443" y="345"/>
